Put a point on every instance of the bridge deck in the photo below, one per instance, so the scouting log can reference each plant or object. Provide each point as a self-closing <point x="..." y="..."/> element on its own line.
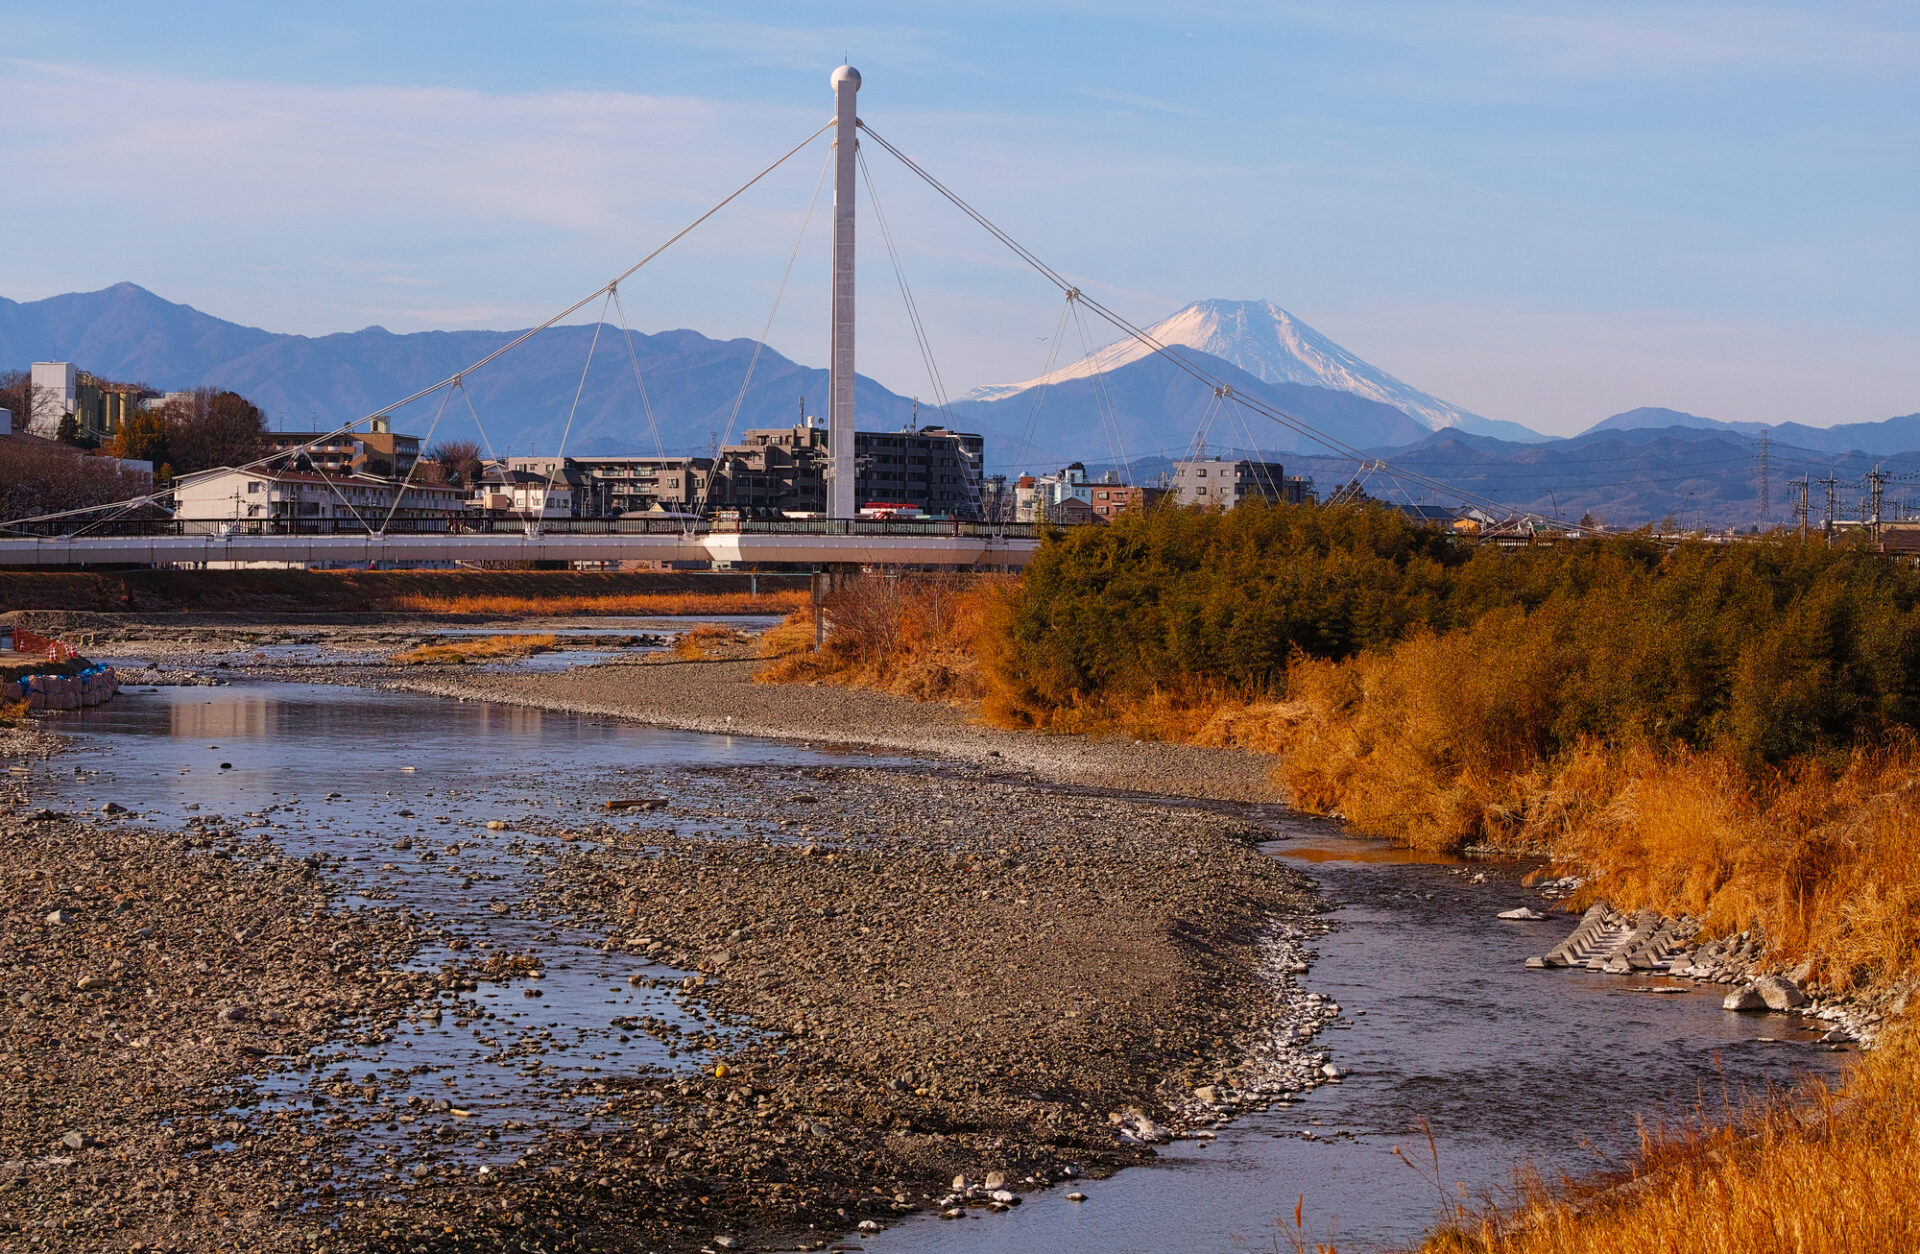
<point x="727" y="547"/>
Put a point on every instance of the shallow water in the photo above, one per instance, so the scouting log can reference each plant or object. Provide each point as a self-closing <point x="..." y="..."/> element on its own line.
<point x="1448" y="1031"/>
<point x="396" y="790"/>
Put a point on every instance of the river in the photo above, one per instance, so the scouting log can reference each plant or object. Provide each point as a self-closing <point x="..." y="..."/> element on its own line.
<point x="1462" y="1065"/>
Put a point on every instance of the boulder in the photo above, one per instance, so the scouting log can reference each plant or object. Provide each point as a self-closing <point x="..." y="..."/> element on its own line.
<point x="1744" y="999"/>
<point x="1522" y="914"/>
<point x="1779" y="992"/>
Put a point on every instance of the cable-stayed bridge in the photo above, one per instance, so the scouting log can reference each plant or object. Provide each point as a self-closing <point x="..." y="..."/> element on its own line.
<point x="142" y="530"/>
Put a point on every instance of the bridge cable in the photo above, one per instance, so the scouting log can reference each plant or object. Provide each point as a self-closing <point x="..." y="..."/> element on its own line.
<point x="497" y="353"/>
<point x="407" y="483"/>
<point x="906" y="292"/>
<point x="1046" y="381"/>
<point x="1271" y="412"/>
<point x="567" y="430"/>
<point x="706" y="489"/>
<point x="1103" y="401"/>
<point x="646" y="404"/>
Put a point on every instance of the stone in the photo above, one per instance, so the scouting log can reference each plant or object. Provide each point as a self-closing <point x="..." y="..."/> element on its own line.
<point x="1779" y="992"/>
<point x="996" y="1180"/>
<point x="1330" y="1071"/>
<point x="76" y="1140"/>
<point x="1206" y="1094"/>
<point x="113" y="807"/>
<point x="236" y="1013"/>
<point x="1743" y="1000"/>
<point x="58" y="917"/>
<point x="1522" y="914"/>
<point x="1004" y="1196"/>
<point x="1076" y="1197"/>
<point x="725" y="1243"/>
<point x="959" y="1184"/>
<point x="872" y="1225"/>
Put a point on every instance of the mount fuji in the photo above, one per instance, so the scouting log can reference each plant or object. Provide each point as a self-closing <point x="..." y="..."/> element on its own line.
<point x="1270" y="344"/>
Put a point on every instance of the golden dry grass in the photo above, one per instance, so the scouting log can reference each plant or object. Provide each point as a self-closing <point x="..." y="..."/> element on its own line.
<point x="912" y="636"/>
<point x="645" y="605"/>
<point x="708" y="640"/>
<point x="1829" y="1174"/>
<point x="478" y="649"/>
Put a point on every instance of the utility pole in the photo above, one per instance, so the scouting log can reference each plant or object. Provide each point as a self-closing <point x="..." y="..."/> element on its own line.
<point x="1763" y="507"/>
<point x="1800" y="506"/>
<point x="1830" y="483"/>
<point x="1876" y="484"/>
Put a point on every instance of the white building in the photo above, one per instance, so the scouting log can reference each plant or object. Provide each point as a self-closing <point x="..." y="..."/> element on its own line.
<point x="56" y="393"/>
<point x="525" y="494"/>
<point x="270" y="501"/>
<point x="1037" y="498"/>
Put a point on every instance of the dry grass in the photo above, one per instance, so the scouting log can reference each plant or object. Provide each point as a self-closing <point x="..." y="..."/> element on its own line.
<point x="1430" y="747"/>
<point x="479" y="649"/>
<point x="1833" y="1174"/>
<point x="913" y="636"/>
<point x="708" y="641"/>
<point x="644" y="605"/>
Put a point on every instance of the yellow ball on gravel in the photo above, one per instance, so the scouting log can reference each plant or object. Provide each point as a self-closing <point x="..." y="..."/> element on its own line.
<point x="720" y="1071"/>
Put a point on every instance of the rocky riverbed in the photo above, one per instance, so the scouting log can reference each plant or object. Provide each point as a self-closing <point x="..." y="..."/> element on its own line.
<point x="143" y="975"/>
<point x="902" y="978"/>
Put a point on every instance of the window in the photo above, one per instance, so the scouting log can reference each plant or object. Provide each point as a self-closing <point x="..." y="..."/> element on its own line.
<point x="255" y="486"/>
<point x="1201" y="473"/>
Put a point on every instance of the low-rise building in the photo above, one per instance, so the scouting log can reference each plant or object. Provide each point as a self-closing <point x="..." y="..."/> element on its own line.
<point x="527" y="494"/>
<point x="290" y="502"/>
<point x="1222" y="483"/>
<point x="378" y="451"/>
<point x="780" y="470"/>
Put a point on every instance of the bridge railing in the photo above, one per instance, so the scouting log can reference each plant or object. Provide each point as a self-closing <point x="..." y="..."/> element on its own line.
<point x="557" y="526"/>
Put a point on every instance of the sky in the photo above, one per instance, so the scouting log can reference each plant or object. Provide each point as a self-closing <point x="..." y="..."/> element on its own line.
<point x="1545" y="213"/>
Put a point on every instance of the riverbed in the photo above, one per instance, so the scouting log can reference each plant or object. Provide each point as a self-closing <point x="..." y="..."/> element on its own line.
<point x="457" y="811"/>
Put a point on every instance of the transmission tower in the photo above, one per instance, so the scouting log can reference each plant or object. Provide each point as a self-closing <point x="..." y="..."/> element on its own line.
<point x="1763" y="506"/>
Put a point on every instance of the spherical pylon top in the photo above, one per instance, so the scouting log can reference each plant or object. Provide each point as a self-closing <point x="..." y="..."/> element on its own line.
<point x="846" y="74"/>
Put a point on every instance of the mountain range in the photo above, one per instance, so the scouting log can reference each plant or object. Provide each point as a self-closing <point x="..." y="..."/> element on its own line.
<point x="1122" y="405"/>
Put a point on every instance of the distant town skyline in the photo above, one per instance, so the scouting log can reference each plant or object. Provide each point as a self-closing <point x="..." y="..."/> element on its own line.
<point x="1540" y="216"/>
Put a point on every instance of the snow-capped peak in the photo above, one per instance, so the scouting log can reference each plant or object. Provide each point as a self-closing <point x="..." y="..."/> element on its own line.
<point x="1269" y="343"/>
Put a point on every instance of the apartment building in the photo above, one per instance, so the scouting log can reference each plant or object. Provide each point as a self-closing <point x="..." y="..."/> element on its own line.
<point x="1222" y="483"/>
<point x="286" y="501"/>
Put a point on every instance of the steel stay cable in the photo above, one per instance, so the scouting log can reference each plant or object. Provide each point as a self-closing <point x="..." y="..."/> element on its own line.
<point x="567" y="430"/>
<point x="518" y="340"/>
<point x="415" y="465"/>
<point x="706" y="489"/>
<point x="1267" y="411"/>
<point x="1046" y="381"/>
<point x="645" y="402"/>
<point x="1110" y="423"/>
<point x="906" y="292"/>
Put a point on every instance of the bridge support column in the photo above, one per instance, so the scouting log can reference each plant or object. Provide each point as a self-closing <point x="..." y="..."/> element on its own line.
<point x="841" y="502"/>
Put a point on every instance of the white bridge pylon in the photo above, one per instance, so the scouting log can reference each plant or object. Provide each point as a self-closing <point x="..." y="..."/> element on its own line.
<point x="841" y="502"/>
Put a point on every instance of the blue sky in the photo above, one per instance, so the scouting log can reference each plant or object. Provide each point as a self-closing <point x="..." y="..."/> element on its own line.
<point x="1543" y="213"/>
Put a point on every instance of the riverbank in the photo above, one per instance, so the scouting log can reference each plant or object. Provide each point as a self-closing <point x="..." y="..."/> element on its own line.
<point x="722" y="697"/>
<point x="144" y="975"/>
<point x="943" y="970"/>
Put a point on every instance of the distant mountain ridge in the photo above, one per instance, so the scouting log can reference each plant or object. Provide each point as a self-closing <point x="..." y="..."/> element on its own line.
<point x="1888" y="436"/>
<point x="1272" y="345"/>
<point x="127" y="333"/>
